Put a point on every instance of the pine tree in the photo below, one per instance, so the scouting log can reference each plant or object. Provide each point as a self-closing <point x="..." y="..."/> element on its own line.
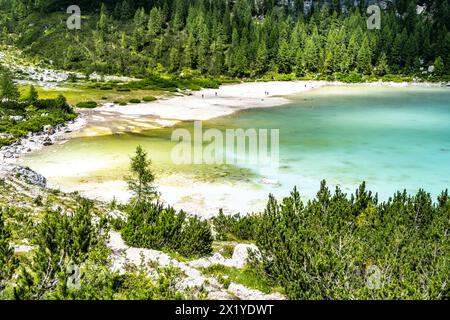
<point x="382" y="67"/>
<point x="33" y="95"/>
<point x="8" y="89"/>
<point x="155" y="22"/>
<point x="439" y="67"/>
<point x="125" y="10"/>
<point x="103" y="21"/>
<point x="174" y="59"/>
<point x="364" y="58"/>
<point x="141" y="181"/>
<point x="6" y="253"/>
<point x="310" y="56"/>
<point x="261" y="60"/>
<point x="284" y="58"/>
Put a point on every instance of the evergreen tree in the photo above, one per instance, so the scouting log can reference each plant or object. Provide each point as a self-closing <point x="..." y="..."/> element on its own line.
<point x="141" y="181"/>
<point x="364" y="58"/>
<point x="103" y="21"/>
<point x="261" y="60"/>
<point x="6" y="253"/>
<point x="285" y="61"/>
<point x="439" y="67"/>
<point x="8" y="89"/>
<point x="33" y="95"/>
<point x="382" y="67"/>
<point x="155" y="22"/>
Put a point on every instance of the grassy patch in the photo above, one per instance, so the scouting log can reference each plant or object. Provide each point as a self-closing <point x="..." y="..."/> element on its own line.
<point x="246" y="277"/>
<point x="149" y="99"/>
<point x="87" y="105"/>
<point x="83" y="93"/>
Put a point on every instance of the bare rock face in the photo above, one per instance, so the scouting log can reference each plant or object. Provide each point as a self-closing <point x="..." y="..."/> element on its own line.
<point x="241" y="253"/>
<point x="26" y="174"/>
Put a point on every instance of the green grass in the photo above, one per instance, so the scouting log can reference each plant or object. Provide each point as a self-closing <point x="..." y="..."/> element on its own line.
<point x="246" y="277"/>
<point x="82" y="93"/>
<point x="87" y="104"/>
<point x="149" y="99"/>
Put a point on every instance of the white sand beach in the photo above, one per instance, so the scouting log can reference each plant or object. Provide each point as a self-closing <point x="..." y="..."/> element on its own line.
<point x="199" y="105"/>
<point x="211" y="103"/>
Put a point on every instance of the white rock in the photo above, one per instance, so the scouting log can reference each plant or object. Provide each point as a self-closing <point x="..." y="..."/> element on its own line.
<point x="240" y="254"/>
<point x="244" y="293"/>
<point x="16" y="118"/>
<point x="219" y="295"/>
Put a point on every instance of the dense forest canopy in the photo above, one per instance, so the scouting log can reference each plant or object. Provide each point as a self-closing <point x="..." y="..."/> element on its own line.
<point x="242" y="38"/>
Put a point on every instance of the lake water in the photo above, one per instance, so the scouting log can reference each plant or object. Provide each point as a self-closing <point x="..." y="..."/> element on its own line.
<point x="392" y="138"/>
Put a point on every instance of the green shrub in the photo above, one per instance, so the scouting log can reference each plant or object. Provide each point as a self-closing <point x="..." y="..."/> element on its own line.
<point x="87" y="105"/>
<point x="154" y="226"/>
<point x="235" y="227"/>
<point x="196" y="238"/>
<point x="149" y="99"/>
<point x="332" y="244"/>
<point x="135" y="101"/>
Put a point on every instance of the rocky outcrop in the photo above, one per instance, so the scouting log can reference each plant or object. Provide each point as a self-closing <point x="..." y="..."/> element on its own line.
<point x="25" y="174"/>
<point x="238" y="260"/>
<point x="35" y="141"/>
<point x="123" y="255"/>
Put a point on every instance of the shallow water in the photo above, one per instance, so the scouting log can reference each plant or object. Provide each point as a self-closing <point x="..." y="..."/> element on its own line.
<point x="392" y="138"/>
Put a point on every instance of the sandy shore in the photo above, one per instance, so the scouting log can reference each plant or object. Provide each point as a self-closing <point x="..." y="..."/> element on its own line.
<point x="200" y="105"/>
<point x="212" y="103"/>
<point x="204" y="105"/>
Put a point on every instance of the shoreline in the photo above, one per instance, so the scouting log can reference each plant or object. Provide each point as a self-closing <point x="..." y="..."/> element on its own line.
<point x="206" y="104"/>
<point x="200" y="105"/>
<point x="39" y="140"/>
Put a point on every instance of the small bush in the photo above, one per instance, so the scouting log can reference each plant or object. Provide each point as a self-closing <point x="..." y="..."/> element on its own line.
<point x="235" y="227"/>
<point x="135" y="101"/>
<point x="196" y="238"/>
<point x="87" y="105"/>
<point x="149" y="99"/>
<point x="153" y="226"/>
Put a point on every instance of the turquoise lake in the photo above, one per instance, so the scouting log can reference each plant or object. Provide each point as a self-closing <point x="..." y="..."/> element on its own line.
<point x="394" y="138"/>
